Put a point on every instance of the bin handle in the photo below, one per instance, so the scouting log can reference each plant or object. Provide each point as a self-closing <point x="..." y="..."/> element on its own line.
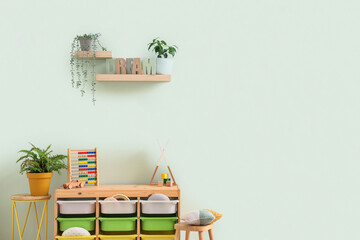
<point x="121" y="196"/>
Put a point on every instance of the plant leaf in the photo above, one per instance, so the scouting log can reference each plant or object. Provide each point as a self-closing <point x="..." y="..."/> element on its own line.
<point x="36" y="160"/>
<point x="172" y="51"/>
<point x="157" y="49"/>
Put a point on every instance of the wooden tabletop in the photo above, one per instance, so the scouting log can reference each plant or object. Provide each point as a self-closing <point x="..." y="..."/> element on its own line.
<point x="28" y="197"/>
<point x="108" y="190"/>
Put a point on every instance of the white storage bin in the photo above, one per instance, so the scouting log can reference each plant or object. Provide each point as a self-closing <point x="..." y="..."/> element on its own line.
<point x="118" y="207"/>
<point x="77" y="207"/>
<point x="159" y="207"/>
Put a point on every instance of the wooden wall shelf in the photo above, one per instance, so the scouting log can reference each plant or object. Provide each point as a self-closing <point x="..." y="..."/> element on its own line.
<point x="132" y="78"/>
<point x="99" y="54"/>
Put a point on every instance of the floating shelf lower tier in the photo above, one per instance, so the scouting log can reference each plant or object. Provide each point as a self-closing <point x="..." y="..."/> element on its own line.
<point x="132" y="78"/>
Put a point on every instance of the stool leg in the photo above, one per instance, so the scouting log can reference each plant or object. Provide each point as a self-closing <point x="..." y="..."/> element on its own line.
<point x="41" y="221"/>
<point x="211" y="234"/>
<point x="46" y="203"/>
<point x="17" y="221"/>
<point x="12" y="221"/>
<point x="26" y="218"/>
<point x="187" y="235"/>
<point x="177" y="234"/>
<point x="36" y="217"/>
<point x="201" y="235"/>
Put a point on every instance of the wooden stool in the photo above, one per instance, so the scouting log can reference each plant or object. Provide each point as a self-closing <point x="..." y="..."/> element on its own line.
<point x="188" y="228"/>
<point x="31" y="200"/>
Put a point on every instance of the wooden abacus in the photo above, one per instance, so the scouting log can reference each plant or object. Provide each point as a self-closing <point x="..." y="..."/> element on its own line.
<point x="83" y="166"/>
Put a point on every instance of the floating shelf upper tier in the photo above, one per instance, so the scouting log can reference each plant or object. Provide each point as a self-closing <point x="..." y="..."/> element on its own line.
<point x="90" y="54"/>
<point x="132" y="78"/>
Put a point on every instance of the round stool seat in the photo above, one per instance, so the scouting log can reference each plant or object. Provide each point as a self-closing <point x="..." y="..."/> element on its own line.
<point x="191" y="228"/>
<point x="28" y="197"/>
<point x="186" y="227"/>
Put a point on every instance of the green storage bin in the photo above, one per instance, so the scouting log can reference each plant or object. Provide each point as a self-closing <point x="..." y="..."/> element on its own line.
<point x="66" y="223"/>
<point x="158" y="223"/>
<point x="118" y="224"/>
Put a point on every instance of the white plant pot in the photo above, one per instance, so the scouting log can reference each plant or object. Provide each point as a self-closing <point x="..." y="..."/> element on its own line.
<point x="164" y="65"/>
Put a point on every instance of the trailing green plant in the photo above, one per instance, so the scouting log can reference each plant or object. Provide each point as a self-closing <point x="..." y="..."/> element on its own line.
<point x="79" y="67"/>
<point x="37" y="160"/>
<point x="161" y="48"/>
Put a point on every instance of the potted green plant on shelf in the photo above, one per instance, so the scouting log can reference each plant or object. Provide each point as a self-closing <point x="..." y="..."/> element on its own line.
<point x="39" y="166"/>
<point x="164" y="64"/>
<point x="82" y="68"/>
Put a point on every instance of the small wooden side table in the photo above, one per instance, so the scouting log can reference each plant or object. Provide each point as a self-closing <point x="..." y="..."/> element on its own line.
<point x="188" y="228"/>
<point x="21" y="198"/>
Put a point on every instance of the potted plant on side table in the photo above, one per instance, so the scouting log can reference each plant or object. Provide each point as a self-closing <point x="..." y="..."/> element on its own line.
<point x="164" y="64"/>
<point x="39" y="166"/>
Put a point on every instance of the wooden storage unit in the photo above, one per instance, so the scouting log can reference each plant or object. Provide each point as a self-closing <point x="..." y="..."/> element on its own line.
<point x="90" y="54"/>
<point x="132" y="78"/>
<point x="103" y="191"/>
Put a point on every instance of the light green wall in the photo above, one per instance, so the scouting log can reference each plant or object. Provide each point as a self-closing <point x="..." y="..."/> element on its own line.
<point x="262" y="112"/>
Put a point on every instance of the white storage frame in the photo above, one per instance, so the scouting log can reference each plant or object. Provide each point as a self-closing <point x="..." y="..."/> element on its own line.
<point x="159" y="207"/>
<point x="118" y="207"/>
<point x="77" y="206"/>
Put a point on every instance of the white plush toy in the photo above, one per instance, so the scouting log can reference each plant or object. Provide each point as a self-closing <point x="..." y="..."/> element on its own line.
<point x="76" y="231"/>
<point x="158" y="197"/>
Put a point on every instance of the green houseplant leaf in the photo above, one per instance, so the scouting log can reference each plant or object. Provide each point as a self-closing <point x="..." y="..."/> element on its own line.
<point x="38" y="160"/>
<point x="161" y="48"/>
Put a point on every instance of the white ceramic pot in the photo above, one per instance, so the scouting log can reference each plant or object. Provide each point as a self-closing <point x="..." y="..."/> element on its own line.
<point x="164" y="65"/>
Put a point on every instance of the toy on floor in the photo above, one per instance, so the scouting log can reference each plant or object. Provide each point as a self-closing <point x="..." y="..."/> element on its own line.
<point x="164" y="177"/>
<point x="83" y="165"/>
<point x="74" y="184"/>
